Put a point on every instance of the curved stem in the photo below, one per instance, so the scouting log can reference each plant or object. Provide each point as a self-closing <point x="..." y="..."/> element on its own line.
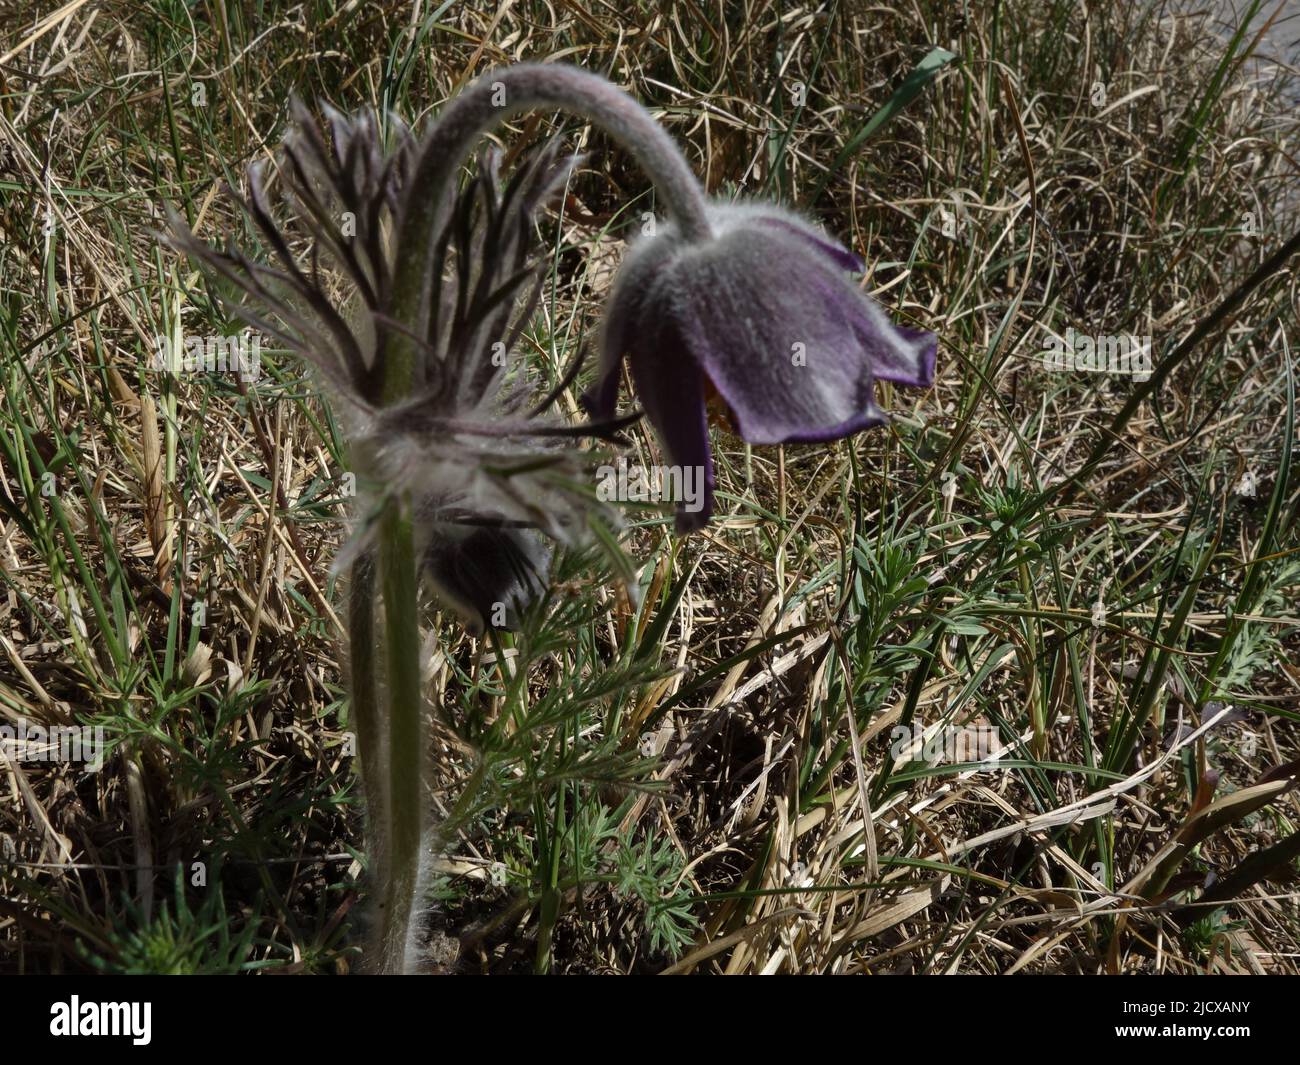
<point x="487" y="103"/>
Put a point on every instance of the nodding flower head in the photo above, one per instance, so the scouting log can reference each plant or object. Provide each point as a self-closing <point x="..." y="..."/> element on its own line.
<point x="763" y="312"/>
<point x="471" y="442"/>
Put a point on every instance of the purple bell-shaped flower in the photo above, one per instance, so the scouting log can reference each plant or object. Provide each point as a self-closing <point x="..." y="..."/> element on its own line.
<point x="762" y="311"/>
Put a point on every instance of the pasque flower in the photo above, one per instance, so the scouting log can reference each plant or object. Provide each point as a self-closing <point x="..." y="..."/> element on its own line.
<point x="763" y="312"/>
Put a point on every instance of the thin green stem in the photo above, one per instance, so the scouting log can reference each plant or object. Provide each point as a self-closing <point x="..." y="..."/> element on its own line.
<point x="406" y="740"/>
<point x="367" y="713"/>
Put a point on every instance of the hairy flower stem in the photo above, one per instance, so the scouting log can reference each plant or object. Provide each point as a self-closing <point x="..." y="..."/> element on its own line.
<point x="398" y="831"/>
<point x="492" y="99"/>
<point x="367" y="711"/>
<point x="406" y="740"/>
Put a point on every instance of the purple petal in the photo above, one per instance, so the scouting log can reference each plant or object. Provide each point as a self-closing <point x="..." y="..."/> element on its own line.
<point x="782" y="334"/>
<point x="835" y="251"/>
<point x="868" y="419"/>
<point x="743" y="215"/>
<point x="672" y="393"/>
<point x="622" y="324"/>
<point x="899" y="354"/>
